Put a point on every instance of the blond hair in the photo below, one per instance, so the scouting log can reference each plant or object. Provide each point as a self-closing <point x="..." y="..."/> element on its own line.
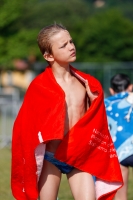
<point x="44" y="36"/>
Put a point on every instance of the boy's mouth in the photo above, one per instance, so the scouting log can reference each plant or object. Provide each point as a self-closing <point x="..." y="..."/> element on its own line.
<point x="73" y="53"/>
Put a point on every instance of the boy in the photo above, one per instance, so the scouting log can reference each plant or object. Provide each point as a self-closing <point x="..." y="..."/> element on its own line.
<point x="60" y="130"/>
<point x="120" y="118"/>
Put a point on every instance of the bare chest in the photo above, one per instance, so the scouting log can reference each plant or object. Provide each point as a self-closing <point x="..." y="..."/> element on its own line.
<point x="75" y="93"/>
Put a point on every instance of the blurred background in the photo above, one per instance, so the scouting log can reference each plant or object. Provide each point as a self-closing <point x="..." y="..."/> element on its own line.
<point x="102" y="31"/>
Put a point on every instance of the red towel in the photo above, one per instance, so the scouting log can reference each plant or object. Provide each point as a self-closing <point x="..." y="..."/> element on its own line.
<point x="88" y="145"/>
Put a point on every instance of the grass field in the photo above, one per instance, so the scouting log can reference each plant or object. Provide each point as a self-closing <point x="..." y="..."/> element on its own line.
<point x="64" y="192"/>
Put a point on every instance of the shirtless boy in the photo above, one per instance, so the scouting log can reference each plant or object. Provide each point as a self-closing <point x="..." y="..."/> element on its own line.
<point x="58" y="49"/>
<point x="62" y="128"/>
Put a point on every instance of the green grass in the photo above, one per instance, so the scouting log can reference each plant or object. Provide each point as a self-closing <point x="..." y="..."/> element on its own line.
<point x="64" y="192"/>
<point x="130" y="186"/>
<point x="5" y="161"/>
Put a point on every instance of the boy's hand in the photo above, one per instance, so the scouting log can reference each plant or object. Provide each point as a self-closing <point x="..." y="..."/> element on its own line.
<point x="91" y="95"/>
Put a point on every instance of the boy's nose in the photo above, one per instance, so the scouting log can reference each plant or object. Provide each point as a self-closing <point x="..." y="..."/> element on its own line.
<point x="71" y="46"/>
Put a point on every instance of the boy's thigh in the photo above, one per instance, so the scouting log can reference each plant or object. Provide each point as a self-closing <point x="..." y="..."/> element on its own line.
<point x="82" y="185"/>
<point x="49" y="181"/>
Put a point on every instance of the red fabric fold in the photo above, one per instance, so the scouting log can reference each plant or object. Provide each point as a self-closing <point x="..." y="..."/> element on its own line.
<point x="88" y="145"/>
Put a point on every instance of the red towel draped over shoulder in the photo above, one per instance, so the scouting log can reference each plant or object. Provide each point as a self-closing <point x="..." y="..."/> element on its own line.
<point x="87" y="146"/>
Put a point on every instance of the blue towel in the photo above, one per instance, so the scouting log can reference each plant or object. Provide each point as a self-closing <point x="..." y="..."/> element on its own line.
<point x="120" y="119"/>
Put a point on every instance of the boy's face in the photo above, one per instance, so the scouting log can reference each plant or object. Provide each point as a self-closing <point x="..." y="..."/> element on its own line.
<point x="63" y="48"/>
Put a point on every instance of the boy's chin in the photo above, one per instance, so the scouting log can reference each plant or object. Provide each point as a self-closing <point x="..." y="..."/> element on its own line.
<point x="73" y="59"/>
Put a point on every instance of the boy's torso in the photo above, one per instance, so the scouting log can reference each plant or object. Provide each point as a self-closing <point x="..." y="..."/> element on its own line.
<point x="76" y="106"/>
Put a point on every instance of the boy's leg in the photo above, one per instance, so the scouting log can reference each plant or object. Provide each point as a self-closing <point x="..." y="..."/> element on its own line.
<point x="122" y="193"/>
<point x="82" y="185"/>
<point x="49" y="181"/>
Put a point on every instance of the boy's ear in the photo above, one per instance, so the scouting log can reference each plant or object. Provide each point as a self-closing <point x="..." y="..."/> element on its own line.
<point x="130" y="88"/>
<point x="48" y="57"/>
<point x="112" y="92"/>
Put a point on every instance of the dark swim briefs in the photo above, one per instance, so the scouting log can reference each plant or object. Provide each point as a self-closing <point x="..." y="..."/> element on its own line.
<point x="128" y="162"/>
<point x="63" y="167"/>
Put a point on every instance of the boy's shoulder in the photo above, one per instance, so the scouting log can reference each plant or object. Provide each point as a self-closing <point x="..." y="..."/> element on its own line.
<point x="36" y="85"/>
<point x="39" y="79"/>
<point x="91" y="79"/>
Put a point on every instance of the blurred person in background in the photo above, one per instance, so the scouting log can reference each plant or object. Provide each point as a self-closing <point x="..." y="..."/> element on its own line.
<point x="119" y="108"/>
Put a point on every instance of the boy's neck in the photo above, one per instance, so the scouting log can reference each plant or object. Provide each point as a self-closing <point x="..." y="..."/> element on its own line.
<point x="130" y="98"/>
<point x="61" y="71"/>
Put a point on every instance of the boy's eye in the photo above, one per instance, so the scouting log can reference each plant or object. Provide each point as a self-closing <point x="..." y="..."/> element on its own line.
<point x="63" y="46"/>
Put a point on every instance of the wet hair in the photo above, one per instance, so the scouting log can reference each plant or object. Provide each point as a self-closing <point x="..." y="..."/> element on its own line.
<point x="44" y="36"/>
<point x="120" y="82"/>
